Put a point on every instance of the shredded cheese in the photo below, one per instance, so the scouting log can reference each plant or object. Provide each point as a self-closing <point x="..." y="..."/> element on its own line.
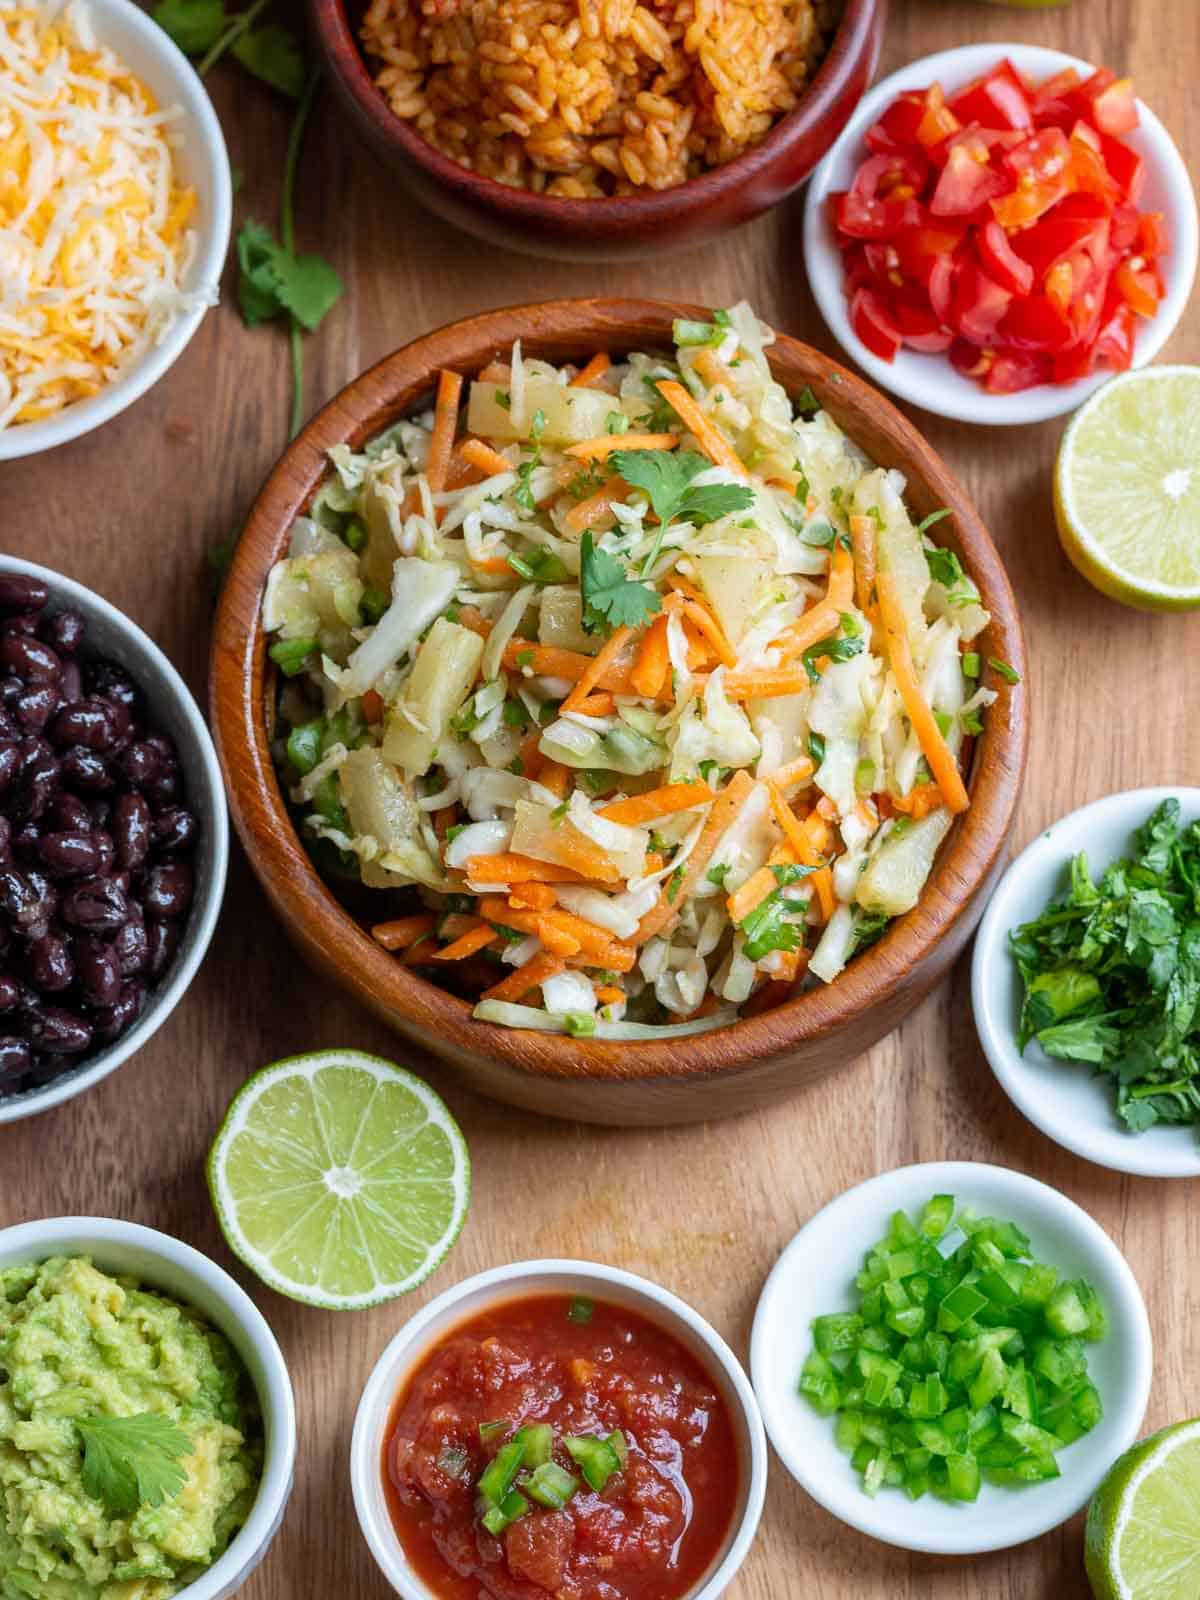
<point x="94" y="236"/>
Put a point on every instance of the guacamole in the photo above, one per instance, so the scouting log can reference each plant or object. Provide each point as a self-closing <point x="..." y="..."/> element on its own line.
<point x="77" y="1345"/>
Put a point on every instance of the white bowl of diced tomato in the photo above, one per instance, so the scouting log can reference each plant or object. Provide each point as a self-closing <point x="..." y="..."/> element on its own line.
<point x="998" y="230"/>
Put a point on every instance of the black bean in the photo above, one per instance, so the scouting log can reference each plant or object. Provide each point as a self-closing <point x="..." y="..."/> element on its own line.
<point x="16" y="1057"/>
<point x="107" y="679"/>
<point x="101" y="811"/>
<point x="50" y="964"/>
<point x="25" y="623"/>
<point x="94" y="903"/>
<point x="131" y="829"/>
<point x="21" y="593"/>
<point x="119" y="715"/>
<point x="139" y="762"/>
<point x="88" y="722"/>
<point x="25" y="843"/>
<point x="10" y="991"/>
<point x="66" y="813"/>
<point x="112" y="1021"/>
<point x="35" y="706"/>
<point x="46" y="892"/>
<point x="56" y="1031"/>
<point x="86" y="771"/>
<point x="98" y="969"/>
<point x="35" y="787"/>
<point x="30" y="659"/>
<point x="71" y="683"/>
<point x="10" y="688"/>
<point x="163" y="939"/>
<point x="71" y="855"/>
<point x="168" y="890"/>
<point x="19" y="900"/>
<point x="131" y="944"/>
<point x="10" y="762"/>
<point x="175" y="829"/>
<point x="8" y="724"/>
<point x="65" y="632"/>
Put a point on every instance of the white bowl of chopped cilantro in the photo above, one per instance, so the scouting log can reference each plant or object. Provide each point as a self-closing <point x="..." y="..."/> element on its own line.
<point x="1109" y="1012"/>
<point x="949" y="1357"/>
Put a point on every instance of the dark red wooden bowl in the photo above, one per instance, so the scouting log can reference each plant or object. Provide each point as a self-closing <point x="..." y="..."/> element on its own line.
<point x="759" y="1059"/>
<point x="623" y="227"/>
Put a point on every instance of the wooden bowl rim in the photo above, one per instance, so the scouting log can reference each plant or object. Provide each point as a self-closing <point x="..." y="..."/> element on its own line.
<point x="390" y="389"/>
<point x="851" y="38"/>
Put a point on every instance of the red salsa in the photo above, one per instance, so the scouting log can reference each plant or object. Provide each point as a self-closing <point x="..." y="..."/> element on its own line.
<point x="560" y="1447"/>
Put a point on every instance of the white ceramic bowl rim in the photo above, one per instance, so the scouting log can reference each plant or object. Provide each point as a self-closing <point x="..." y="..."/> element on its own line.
<point x="816" y="1268"/>
<point x="126" y="27"/>
<point x="366" y="1449"/>
<point x="36" y="1241"/>
<point x="1062" y="1098"/>
<point x="210" y="887"/>
<point x="930" y="381"/>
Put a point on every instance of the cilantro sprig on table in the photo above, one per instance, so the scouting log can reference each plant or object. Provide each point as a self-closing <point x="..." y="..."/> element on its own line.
<point x="132" y="1461"/>
<point x="1112" y="973"/>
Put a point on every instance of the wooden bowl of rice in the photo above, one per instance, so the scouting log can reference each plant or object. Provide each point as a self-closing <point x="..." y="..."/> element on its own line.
<point x="599" y="129"/>
<point x="756" y="1060"/>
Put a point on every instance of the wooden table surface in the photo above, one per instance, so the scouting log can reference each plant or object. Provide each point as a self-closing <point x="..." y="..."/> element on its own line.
<point x="133" y="509"/>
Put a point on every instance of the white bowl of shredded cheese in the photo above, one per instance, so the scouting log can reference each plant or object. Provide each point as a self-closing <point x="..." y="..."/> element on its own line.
<point x="114" y="222"/>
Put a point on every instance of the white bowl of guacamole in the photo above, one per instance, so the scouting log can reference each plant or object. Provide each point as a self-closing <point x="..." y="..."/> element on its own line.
<point x="147" y="1424"/>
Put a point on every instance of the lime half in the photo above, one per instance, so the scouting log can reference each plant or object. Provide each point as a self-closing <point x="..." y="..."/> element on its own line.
<point x="1127" y="489"/>
<point x="1143" y="1527"/>
<point x="342" y="1180"/>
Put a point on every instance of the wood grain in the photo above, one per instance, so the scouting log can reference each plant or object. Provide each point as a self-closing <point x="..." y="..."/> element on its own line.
<point x="717" y="1074"/>
<point x="705" y="1210"/>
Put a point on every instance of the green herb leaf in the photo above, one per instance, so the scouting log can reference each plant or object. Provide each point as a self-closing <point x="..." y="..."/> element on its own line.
<point x="718" y="874"/>
<point x="611" y="598"/>
<point x="195" y="25"/>
<point x="273" y="54"/>
<point x="538" y="566"/>
<point x="934" y="516"/>
<point x="132" y="1461"/>
<point x="273" y="282"/>
<point x="768" y="928"/>
<point x="944" y="566"/>
<point x="1009" y="674"/>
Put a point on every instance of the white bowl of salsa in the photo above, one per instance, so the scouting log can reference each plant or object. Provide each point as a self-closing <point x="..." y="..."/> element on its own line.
<point x="640" y="1455"/>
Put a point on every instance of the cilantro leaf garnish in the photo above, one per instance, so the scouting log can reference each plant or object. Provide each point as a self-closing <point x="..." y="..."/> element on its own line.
<point x="272" y="281"/>
<point x="273" y="54"/>
<point x="611" y="598"/>
<point x="768" y="928"/>
<point x="666" y="478"/>
<point x="132" y="1461"/>
<point x="835" y="648"/>
<point x="944" y="566"/>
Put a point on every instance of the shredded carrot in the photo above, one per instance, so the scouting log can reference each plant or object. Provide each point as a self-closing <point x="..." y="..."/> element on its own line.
<point x="468" y="944"/>
<point x="652" y="665"/>
<point x="936" y="751"/>
<point x="597" y="666"/>
<point x="532" y="896"/>
<point x="590" y="513"/>
<point x="471" y="617"/>
<point x="513" y="868"/>
<point x="822" y="882"/>
<point x="794" y="772"/>
<point x="600" y="448"/>
<point x="495" y="565"/>
<point x="793" y="830"/>
<point x="531" y="976"/>
<point x="841" y="577"/>
<point x="714" y="444"/>
<point x="596" y="705"/>
<point x="563" y="933"/>
<point x="445" y="819"/>
<point x="767" y="684"/>
<point x="919" y="801"/>
<point x="752" y="893"/>
<point x="654" y="803"/>
<point x="555" y="777"/>
<point x="708" y="625"/>
<point x="595" y="368"/>
<point x="445" y="425"/>
<point x="551" y="661"/>
<point x="481" y="455"/>
<point x="420" y="952"/>
<point x="712" y="369"/>
<point x="725" y="808"/>
<point x="529" y="755"/>
<point x="862" y="539"/>
<point x="372" y="705"/>
<point x="403" y="931"/>
<point x="608" y="996"/>
<point x="460" y="473"/>
<point x="801" y="635"/>
<point x="866" y="813"/>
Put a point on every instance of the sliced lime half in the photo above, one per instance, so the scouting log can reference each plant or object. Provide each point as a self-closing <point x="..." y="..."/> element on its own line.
<point x="340" y="1179"/>
<point x="1143" y="1527"/>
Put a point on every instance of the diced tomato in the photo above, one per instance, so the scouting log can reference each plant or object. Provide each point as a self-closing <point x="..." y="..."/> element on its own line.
<point x="897" y="127"/>
<point x="1153" y="238"/>
<point x="1139" y="286"/>
<point x="979" y="305"/>
<point x="1087" y="160"/>
<point x="1068" y="366"/>
<point x="920" y="328"/>
<point x="1001" y="261"/>
<point x="882" y="198"/>
<point x="1125" y="166"/>
<point x="1124" y="228"/>
<point x="966" y="184"/>
<point x="941" y="285"/>
<point x="1078" y="222"/>
<point x="997" y="100"/>
<point x="1044" y="175"/>
<point x="937" y="122"/>
<point x="1009" y="372"/>
<point x="970" y="360"/>
<point x="856" y="216"/>
<point x="1114" y="342"/>
<point x="1107" y="102"/>
<point x="1051" y="103"/>
<point x="921" y="247"/>
<point x="1032" y="323"/>
<point x="856" y="267"/>
<point x="1060" y="281"/>
<point x="872" y="322"/>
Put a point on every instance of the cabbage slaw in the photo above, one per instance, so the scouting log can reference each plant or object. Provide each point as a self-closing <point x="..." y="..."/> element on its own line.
<point x="637" y="679"/>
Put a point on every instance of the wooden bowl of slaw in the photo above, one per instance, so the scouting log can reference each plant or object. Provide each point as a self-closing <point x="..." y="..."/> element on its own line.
<point x="757" y="1060"/>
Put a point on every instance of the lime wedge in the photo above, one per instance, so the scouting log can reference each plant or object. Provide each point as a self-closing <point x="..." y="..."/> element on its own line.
<point x="1143" y="1527"/>
<point x="1127" y="489"/>
<point x="340" y="1179"/>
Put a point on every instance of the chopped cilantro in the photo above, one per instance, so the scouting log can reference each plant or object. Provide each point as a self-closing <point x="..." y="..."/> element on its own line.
<point x="611" y="598"/>
<point x="538" y="566"/>
<point x="837" y="649"/>
<point x="718" y="874"/>
<point x="675" y="882"/>
<point x="944" y="566"/>
<point x="503" y="399"/>
<point x="666" y="478"/>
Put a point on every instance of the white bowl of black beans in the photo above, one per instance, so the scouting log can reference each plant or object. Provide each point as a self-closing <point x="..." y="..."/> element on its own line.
<point x="114" y="838"/>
